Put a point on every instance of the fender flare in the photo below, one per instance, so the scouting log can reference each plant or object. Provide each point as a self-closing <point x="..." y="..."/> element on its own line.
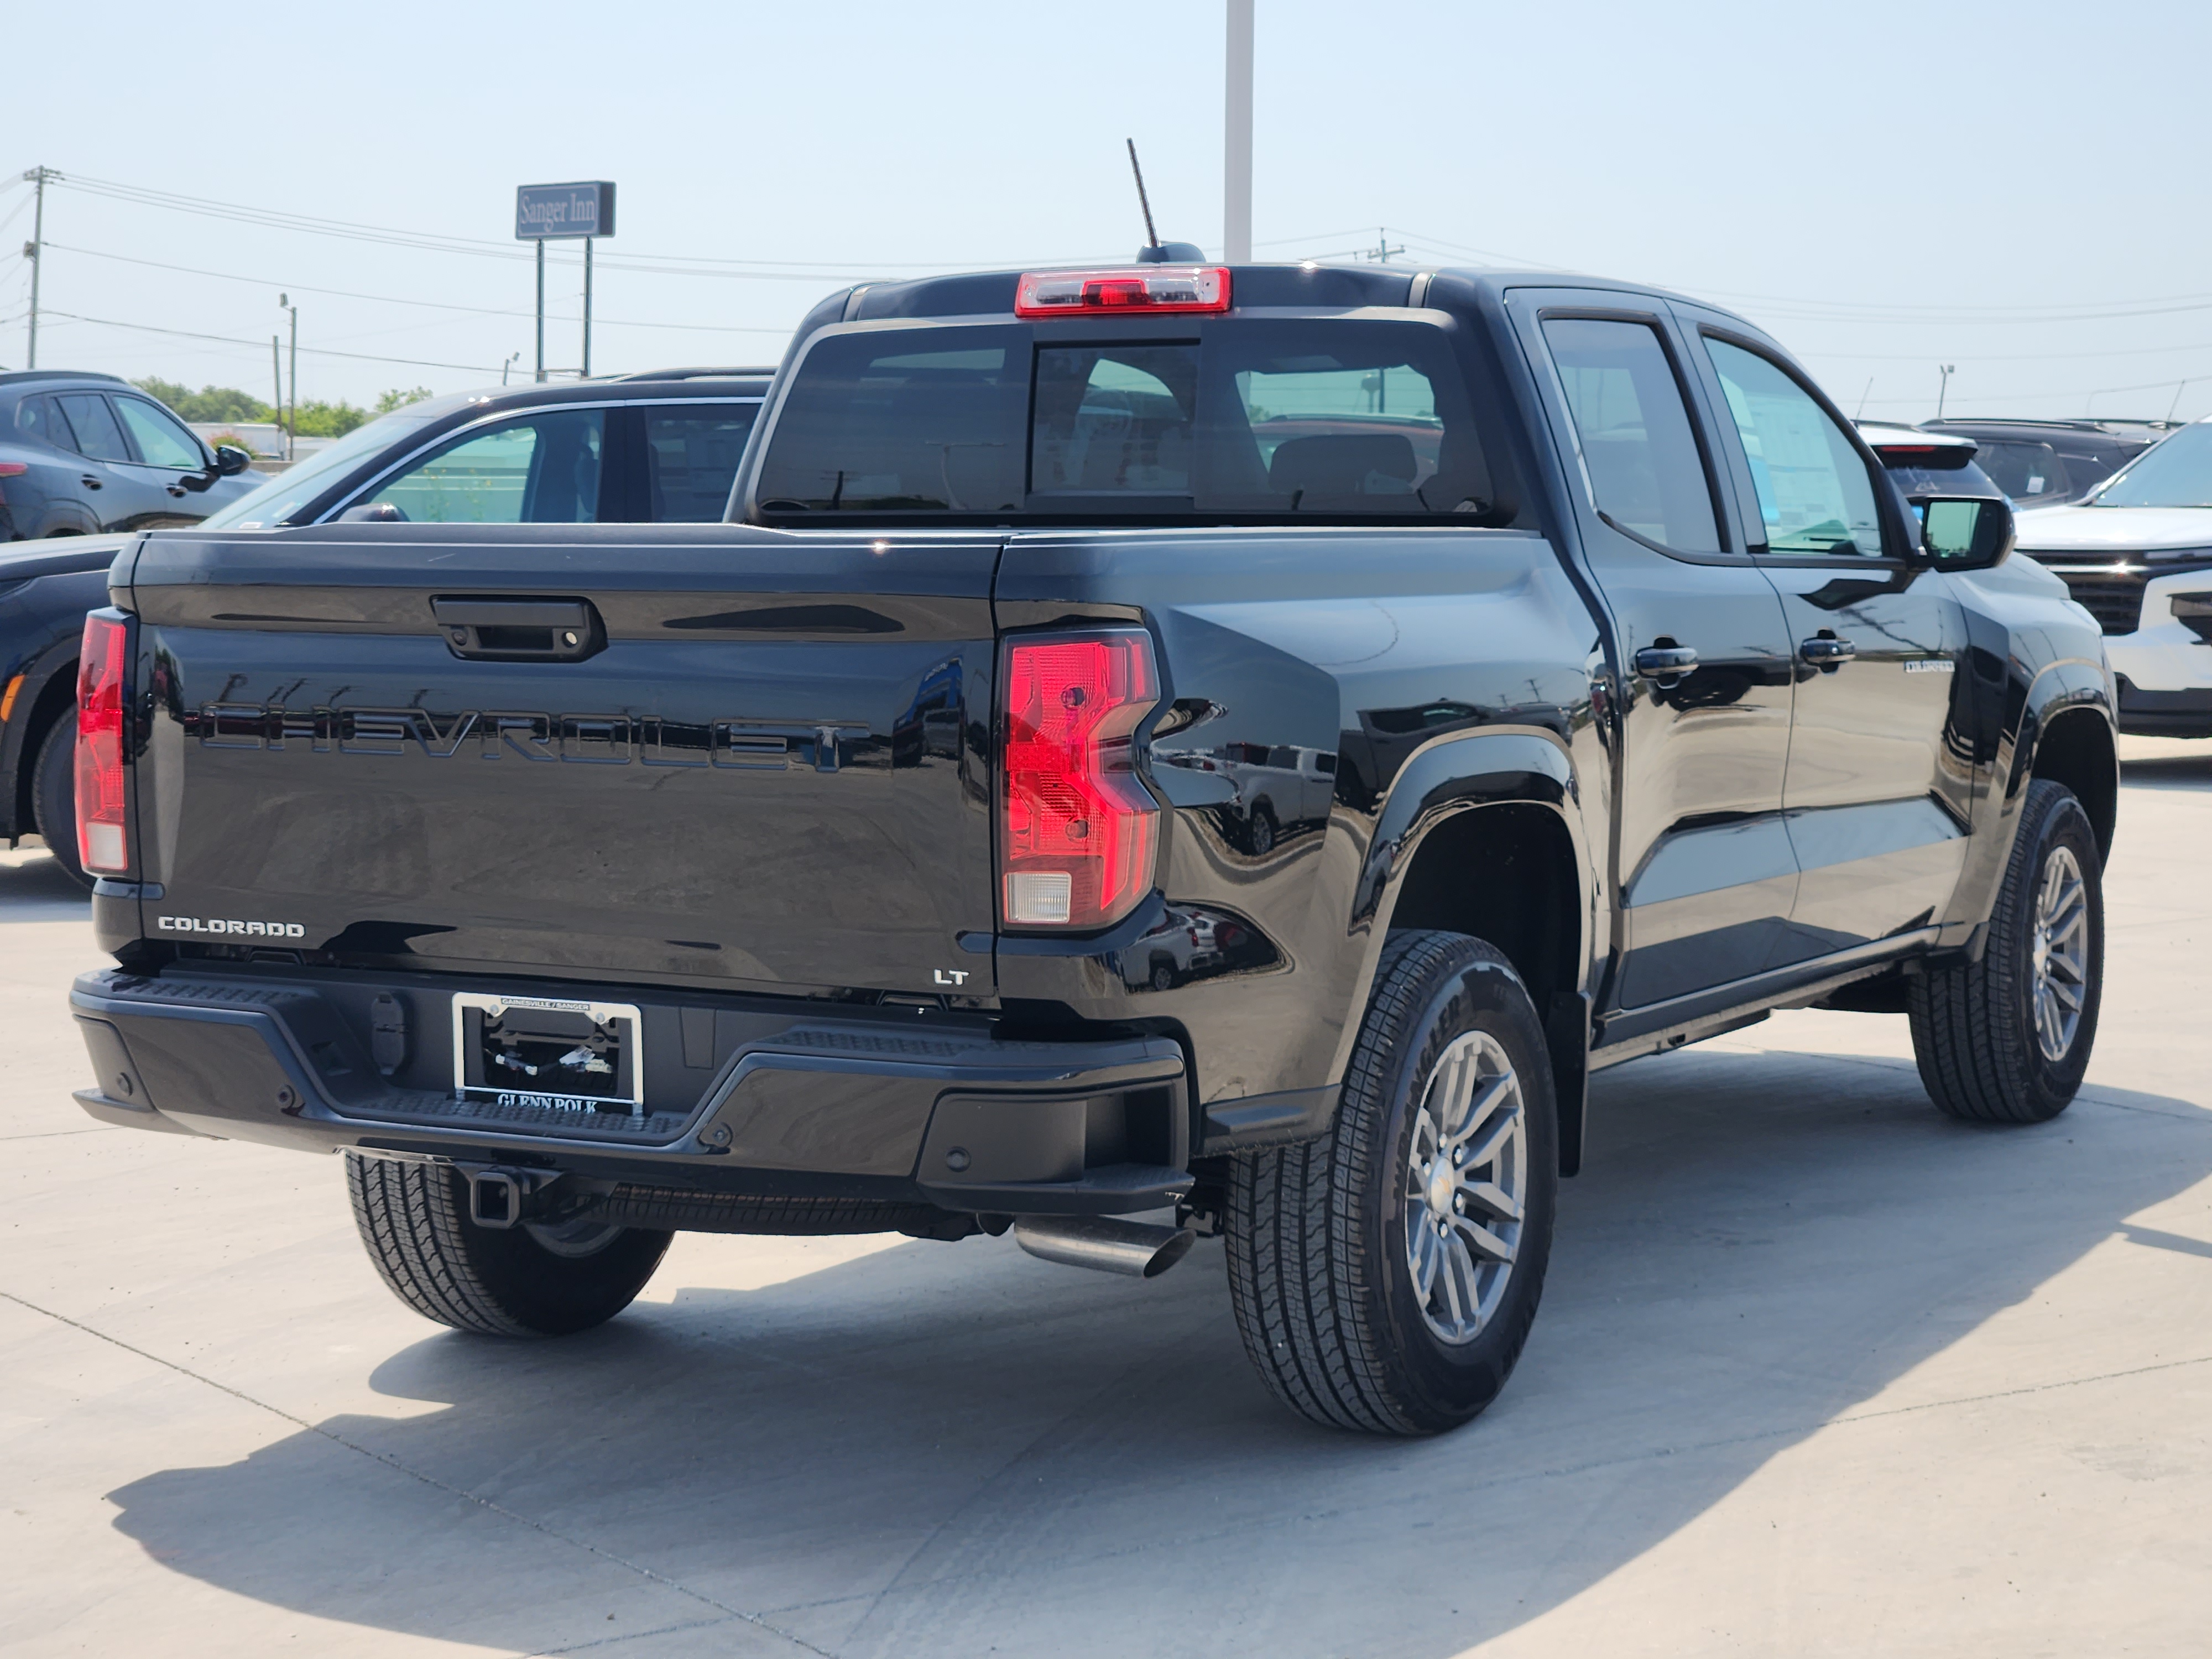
<point x="2059" y="689"/>
<point x="1521" y="766"/>
<point x="1464" y="772"/>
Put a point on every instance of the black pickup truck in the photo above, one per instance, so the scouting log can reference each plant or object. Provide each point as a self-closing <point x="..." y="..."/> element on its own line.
<point x="888" y="858"/>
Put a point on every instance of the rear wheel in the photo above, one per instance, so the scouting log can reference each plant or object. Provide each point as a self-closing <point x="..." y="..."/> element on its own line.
<point x="53" y="793"/>
<point x="1385" y="1276"/>
<point x="2007" y="1039"/>
<point x="531" y="1281"/>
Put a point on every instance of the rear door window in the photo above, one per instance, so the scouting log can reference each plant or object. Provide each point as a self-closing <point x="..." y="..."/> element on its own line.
<point x="544" y="469"/>
<point x="94" y="424"/>
<point x="691" y="454"/>
<point x="1814" y="490"/>
<point x="160" y="440"/>
<point x="1247" y="419"/>
<point x="1645" y="471"/>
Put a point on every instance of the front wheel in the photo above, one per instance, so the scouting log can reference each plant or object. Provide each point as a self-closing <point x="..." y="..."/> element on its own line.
<point x="530" y="1280"/>
<point x="1385" y="1276"/>
<point x="2007" y="1039"/>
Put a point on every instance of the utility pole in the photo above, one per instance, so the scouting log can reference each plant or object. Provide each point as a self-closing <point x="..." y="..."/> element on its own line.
<point x="1381" y="250"/>
<point x="292" y="416"/>
<point x="35" y="251"/>
<point x="541" y="312"/>
<point x="1944" y="391"/>
<point x="588" y="307"/>
<point x="1236" y="139"/>
<point x="277" y="380"/>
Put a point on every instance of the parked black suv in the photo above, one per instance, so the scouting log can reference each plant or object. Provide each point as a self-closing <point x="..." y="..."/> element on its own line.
<point x="658" y="449"/>
<point x="82" y="453"/>
<point x="2050" y="463"/>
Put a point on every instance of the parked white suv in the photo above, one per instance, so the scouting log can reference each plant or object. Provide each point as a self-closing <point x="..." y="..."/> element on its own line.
<point x="2137" y="553"/>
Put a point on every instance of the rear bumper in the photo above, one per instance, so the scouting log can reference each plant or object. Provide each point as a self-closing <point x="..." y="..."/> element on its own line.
<point x="760" y="1097"/>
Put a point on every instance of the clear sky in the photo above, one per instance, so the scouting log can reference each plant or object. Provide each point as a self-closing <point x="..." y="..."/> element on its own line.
<point x="2017" y="190"/>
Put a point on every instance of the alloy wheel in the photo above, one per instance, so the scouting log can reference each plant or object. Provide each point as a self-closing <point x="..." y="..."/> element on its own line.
<point x="2059" y="955"/>
<point x="1467" y="1187"/>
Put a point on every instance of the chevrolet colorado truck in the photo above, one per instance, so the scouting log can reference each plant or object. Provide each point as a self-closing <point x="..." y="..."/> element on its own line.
<point x="805" y="872"/>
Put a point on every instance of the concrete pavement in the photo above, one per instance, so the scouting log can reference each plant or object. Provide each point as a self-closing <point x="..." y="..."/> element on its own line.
<point x="1817" y="1373"/>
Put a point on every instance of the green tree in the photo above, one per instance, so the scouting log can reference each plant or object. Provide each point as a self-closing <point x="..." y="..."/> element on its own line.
<point x="398" y="398"/>
<point x="322" y="420"/>
<point x="210" y="403"/>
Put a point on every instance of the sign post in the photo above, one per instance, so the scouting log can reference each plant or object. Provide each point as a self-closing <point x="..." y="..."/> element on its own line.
<point x="546" y="213"/>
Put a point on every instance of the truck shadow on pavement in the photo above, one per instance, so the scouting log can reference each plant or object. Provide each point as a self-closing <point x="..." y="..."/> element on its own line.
<point x="33" y="887"/>
<point x="943" y="1449"/>
<point x="2169" y="771"/>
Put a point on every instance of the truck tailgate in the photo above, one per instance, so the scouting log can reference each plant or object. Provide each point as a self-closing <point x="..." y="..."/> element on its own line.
<point x="759" y="762"/>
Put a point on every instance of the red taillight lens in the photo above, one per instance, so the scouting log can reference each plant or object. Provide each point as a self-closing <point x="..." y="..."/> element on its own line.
<point x="101" y="843"/>
<point x="1079" y="832"/>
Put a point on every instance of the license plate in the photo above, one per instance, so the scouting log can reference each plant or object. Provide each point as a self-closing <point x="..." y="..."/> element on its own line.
<point x="548" y="1054"/>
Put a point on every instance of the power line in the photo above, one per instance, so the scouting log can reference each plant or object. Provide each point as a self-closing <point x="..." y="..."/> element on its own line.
<point x="225" y="340"/>
<point x="437" y="241"/>
<point x="393" y="299"/>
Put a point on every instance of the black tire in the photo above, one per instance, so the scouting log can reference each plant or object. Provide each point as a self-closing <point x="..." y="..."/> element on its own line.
<point x="521" y="1281"/>
<point x="1263" y="832"/>
<point x="1319" y="1274"/>
<point x="1974" y="1030"/>
<point x="1164" y="974"/>
<point x="53" y="793"/>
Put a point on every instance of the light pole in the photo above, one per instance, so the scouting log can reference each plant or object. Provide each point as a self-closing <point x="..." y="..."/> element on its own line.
<point x="1944" y="390"/>
<point x="292" y="409"/>
<point x="1236" y="139"/>
<point x="512" y="358"/>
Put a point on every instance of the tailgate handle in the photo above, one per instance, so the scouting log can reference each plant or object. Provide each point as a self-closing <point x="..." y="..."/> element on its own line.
<point x="494" y="629"/>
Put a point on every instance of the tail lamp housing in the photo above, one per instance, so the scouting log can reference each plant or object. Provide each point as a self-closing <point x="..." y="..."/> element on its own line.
<point x="1148" y="290"/>
<point x="1079" y="833"/>
<point x="103" y="842"/>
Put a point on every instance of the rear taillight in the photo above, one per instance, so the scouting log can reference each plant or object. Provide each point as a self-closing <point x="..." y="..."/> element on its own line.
<point x="11" y="470"/>
<point x="101" y="843"/>
<point x="1079" y="831"/>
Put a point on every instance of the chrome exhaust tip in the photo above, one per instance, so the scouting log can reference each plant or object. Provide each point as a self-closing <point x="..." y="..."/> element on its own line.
<point x="1138" y="1249"/>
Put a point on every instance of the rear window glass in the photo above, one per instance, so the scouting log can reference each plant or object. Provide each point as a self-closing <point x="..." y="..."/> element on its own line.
<point x="1246" y="419"/>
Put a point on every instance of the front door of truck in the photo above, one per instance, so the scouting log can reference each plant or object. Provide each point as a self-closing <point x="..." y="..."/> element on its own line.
<point x="1876" y="802"/>
<point x="1703" y="863"/>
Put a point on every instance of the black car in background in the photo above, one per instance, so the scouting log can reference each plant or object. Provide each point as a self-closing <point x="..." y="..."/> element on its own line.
<point x="1924" y="463"/>
<point x="84" y="454"/>
<point x="657" y="448"/>
<point x="2051" y="463"/>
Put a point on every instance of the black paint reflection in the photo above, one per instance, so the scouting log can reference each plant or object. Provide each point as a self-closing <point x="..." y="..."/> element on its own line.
<point x="1194" y="942"/>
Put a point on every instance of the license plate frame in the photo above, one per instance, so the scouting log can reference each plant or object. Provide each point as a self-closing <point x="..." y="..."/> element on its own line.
<point x="476" y="1072"/>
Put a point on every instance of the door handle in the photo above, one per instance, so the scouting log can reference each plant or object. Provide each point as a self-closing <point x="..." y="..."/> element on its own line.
<point x="1825" y="652"/>
<point x="176" y="489"/>
<point x="89" y="482"/>
<point x="1666" y="663"/>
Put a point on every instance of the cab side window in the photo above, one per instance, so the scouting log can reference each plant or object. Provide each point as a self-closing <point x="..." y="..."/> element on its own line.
<point x="1814" y="493"/>
<point x="96" y="433"/>
<point x="691" y="459"/>
<point x="1635" y="432"/>
<point x="160" y="440"/>
<point x="542" y="470"/>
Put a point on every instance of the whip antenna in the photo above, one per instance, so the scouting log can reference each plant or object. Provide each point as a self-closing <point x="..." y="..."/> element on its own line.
<point x="1151" y="236"/>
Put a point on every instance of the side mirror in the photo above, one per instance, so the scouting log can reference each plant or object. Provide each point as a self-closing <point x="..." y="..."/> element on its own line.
<point x="1964" y="532"/>
<point x="229" y="458"/>
<point x="373" y="513"/>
